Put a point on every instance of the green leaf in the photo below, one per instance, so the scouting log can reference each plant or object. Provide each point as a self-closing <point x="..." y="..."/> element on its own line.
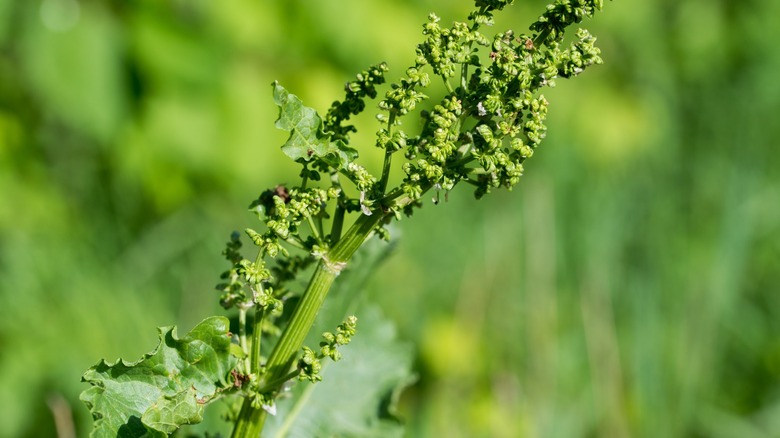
<point x="306" y="137"/>
<point x="167" y="388"/>
<point x="339" y="155"/>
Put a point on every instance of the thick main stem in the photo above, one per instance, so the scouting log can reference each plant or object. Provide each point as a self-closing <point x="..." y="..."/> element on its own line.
<point x="257" y="336"/>
<point x="250" y="420"/>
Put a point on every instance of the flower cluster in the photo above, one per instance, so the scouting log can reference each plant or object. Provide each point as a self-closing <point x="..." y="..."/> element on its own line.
<point x="562" y="14"/>
<point x="244" y="275"/>
<point x="582" y="53"/>
<point x="344" y="333"/>
<point x="310" y="365"/>
<point x="283" y="212"/>
<point x="354" y="101"/>
<point x="482" y="131"/>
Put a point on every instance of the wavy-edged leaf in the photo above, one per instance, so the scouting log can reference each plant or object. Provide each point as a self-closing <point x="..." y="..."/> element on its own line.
<point x="306" y="137"/>
<point x="166" y="389"/>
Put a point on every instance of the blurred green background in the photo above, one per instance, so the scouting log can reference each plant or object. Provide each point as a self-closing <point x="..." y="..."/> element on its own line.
<point x="627" y="287"/>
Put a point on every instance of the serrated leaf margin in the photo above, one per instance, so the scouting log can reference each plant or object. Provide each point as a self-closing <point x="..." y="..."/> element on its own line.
<point x="178" y="393"/>
<point x="306" y="137"/>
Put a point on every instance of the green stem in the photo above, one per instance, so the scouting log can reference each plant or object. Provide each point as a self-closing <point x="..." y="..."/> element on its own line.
<point x="388" y="156"/>
<point x="250" y="420"/>
<point x="296" y="242"/>
<point x="257" y="336"/>
<point x="399" y="195"/>
<point x="305" y="178"/>
<point x="338" y="216"/>
<point x="385" y="171"/>
<point x="542" y="37"/>
<point x="464" y="75"/>
<point x="280" y="381"/>
<point x="338" y="224"/>
<point x="447" y="85"/>
<point x="315" y="230"/>
<point x="242" y="337"/>
<point x="320" y="227"/>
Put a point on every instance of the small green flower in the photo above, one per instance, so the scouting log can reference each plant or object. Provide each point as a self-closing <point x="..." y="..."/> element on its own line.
<point x="309" y="366"/>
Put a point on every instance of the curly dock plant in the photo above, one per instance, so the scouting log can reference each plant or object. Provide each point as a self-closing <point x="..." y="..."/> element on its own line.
<point x="488" y="122"/>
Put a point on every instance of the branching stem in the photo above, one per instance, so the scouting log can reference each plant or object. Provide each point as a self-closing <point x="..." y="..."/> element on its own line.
<point x="270" y="386"/>
<point x="338" y="223"/>
<point x="296" y="242"/>
<point x="448" y="86"/>
<point x="315" y="230"/>
<point x="251" y="419"/>
<point x="542" y="37"/>
<point x="388" y="155"/>
<point x="257" y="338"/>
